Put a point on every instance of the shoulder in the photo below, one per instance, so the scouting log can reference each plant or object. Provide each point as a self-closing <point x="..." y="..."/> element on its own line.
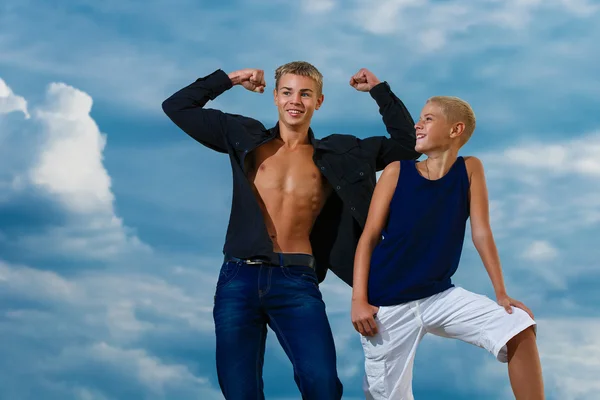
<point x="474" y="168"/>
<point x="391" y="173"/>
<point x="392" y="168"/>
<point x="473" y="164"/>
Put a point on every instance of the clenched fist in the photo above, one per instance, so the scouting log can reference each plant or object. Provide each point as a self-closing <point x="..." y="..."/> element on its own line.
<point x="364" y="80"/>
<point x="251" y="79"/>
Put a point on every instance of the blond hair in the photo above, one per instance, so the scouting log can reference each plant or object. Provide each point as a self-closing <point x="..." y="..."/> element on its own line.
<point x="456" y="110"/>
<point x="301" y="68"/>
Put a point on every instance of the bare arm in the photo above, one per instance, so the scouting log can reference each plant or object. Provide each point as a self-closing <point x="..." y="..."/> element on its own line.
<point x="362" y="311"/>
<point x="186" y="107"/>
<point x="482" y="233"/>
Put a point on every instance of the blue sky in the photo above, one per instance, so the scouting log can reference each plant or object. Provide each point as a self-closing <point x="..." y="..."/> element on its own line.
<point x="112" y="220"/>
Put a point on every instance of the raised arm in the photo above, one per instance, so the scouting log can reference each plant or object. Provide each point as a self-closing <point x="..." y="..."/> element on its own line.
<point x="186" y="107"/>
<point x="482" y="234"/>
<point x="362" y="311"/>
<point x="397" y="120"/>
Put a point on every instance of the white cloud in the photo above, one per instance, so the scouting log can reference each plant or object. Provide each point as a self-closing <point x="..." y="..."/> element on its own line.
<point x="70" y="165"/>
<point x="434" y="23"/>
<point x="103" y="321"/>
<point x="318" y="6"/>
<point x="115" y="298"/>
<point x="9" y="102"/>
<point x="408" y="38"/>
<point x="547" y="187"/>
<point x="157" y="379"/>
<point x="582" y="8"/>
<point x="540" y="250"/>
<point x="382" y="17"/>
<point x="149" y="369"/>
<point x="570" y="354"/>
<point x="67" y="165"/>
<point x="581" y="156"/>
<point x="37" y="284"/>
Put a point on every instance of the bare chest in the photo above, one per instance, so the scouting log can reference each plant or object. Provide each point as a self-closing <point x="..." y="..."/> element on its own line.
<point x="291" y="172"/>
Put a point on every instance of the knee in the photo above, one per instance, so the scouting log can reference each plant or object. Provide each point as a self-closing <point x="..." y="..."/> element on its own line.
<point x="323" y="381"/>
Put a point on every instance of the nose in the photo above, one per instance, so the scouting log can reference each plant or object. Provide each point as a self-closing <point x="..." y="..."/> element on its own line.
<point x="419" y="125"/>
<point x="296" y="99"/>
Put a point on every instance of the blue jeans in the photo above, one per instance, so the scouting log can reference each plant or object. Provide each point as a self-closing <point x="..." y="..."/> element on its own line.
<point x="250" y="297"/>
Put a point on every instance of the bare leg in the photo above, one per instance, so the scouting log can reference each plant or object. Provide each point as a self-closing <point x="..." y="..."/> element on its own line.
<point x="524" y="367"/>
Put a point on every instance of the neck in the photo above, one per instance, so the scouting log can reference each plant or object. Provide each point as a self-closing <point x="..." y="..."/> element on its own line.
<point x="293" y="136"/>
<point x="440" y="162"/>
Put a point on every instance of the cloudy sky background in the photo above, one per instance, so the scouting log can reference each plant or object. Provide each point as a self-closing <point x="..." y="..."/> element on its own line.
<point x="112" y="220"/>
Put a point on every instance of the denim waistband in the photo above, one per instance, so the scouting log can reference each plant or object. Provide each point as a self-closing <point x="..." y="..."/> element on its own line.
<point x="285" y="260"/>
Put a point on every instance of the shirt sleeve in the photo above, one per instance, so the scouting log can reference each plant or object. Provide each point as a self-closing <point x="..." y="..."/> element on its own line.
<point x="186" y="109"/>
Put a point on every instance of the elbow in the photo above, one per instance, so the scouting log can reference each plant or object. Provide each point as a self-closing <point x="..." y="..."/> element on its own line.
<point x="481" y="236"/>
<point x="167" y="106"/>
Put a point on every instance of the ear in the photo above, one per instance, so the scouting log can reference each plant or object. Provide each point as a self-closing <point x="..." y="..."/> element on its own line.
<point x="275" y="96"/>
<point x="319" y="101"/>
<point x="457" y="129"/>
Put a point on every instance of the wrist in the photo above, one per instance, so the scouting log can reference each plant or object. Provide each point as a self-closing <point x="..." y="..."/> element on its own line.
<point x="234" y="77"/>
<point x="374" y="83"/>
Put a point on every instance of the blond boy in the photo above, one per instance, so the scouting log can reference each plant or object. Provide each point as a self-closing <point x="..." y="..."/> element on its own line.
<point x="411" y="247"/>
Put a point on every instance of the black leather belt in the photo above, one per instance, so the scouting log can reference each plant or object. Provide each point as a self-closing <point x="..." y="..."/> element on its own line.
<point x="284" y="260"/>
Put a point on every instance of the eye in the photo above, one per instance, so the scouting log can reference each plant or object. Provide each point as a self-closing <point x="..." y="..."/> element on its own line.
<point x="305" y="95"/>
<point x="285" y="93"/>
<point x="428" y="118"/>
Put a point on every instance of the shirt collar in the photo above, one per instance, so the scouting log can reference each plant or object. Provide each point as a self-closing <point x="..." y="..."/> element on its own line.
<point x="311" y="136"/>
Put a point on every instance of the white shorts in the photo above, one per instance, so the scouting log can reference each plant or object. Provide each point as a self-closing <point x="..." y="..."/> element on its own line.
<point x="455" y="313"/>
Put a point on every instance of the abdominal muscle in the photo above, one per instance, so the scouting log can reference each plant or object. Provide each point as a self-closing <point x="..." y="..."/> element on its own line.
<point x="291" y="193"/>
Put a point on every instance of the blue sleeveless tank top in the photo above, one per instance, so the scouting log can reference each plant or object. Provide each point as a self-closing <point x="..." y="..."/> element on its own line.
<point x="423" y="238"/>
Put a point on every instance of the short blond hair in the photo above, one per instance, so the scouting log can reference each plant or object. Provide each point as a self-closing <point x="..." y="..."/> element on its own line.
<point x="456" y="110"/>
<point x="301" y="68"/>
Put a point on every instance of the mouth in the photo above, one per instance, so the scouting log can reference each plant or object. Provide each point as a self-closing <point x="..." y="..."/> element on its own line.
<point x="294" y="113"/>
<point x="420" y="136"/>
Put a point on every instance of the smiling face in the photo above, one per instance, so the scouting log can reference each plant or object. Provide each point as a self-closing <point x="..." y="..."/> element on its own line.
<point x="445" y="121"/>
<point x="433" y="130"/>
<point x="297" y="97"/>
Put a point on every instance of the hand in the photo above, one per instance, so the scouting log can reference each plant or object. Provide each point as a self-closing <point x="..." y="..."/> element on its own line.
<point x="508" y="303"/>
<point x="363" y="318"/>
<point x="251" y="79"/>
<point x="364" y="80"/>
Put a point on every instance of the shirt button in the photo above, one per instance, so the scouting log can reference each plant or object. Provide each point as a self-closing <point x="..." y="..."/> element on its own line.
<point x="338" y="187"/>
<point x="361" y="173"/>
<point x="353" y="209"/>
<point x="237" y="143"/>
<point x="322" y="168"/>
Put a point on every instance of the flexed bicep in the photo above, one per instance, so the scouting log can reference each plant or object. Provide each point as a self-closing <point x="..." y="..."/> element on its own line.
<point x="186" y="109"/>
